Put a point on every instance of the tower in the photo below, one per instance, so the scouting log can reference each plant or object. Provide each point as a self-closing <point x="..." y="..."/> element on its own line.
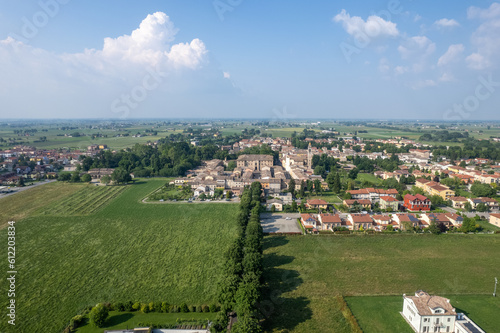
<point x="309" y="157"/>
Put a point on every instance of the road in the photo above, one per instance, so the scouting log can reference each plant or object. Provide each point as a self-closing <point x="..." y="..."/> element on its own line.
<point x="25" y="188"/>
<point x="484" y="215"/>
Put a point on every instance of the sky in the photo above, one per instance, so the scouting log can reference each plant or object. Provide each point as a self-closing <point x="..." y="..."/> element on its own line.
<point x="279" y="60"/>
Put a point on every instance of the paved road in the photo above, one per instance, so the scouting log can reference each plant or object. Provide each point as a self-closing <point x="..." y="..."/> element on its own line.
<point x="25" y="188"/>
<point x="278" y="222"/>
<point x="484" y="215"/>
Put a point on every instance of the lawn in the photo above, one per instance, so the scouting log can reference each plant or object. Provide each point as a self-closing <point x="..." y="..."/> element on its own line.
<point x="380" y="314"/>
<point x="368" y="177"/>
<point x="304" y="274"/>
<point x="328" y="197"/>
<point x="121" y="320"/>
<point x="125" y="251"/>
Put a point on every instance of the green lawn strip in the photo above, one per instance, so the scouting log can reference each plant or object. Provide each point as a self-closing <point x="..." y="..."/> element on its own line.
<point x="126" y="251"/>
<point x="124" y="320"/>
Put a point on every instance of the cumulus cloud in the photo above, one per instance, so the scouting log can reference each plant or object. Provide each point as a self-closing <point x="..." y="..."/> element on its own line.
<point x="486" y="38"/>
<point x="446" y="23"/>
<point x="226" y="75"/>
<point x="417" y="46"/>
<point x="65" y="81"/>
<point x="374" y="26"/>
<point x="454" y="51"/>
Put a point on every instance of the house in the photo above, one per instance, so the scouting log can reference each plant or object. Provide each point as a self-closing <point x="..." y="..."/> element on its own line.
<point x="382" y="222"/>
<point x="405" y="221"/>
<point x="331" y="221"/>
<point x="417" y="202"/>
<point x="365" y="203"/>
<point x="309" y="221"/>
<point x="426" y="313"/>
<point x="455" y="219"/>
<point x="387" y="202"/>
<point x="458" y="202"/>
<point x="278" y="204"/>
<point x="495" y="219"/>
<point x="317" y="203"/>
<point x="285" y="197"/>
<point x="437" y="218"/>
<point x="359" y="221"/>
<point x="434" y="188"/>
<point x="491" y="203"/>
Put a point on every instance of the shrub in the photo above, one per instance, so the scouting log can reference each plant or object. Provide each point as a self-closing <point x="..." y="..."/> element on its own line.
<point x="213" y="308"/>
<point x="199" y="308"/>
<point x="174" y="309"/>
<point x="98" y="315"/>
<point x="206" y="308"/>
<point x="184" y="307"/>
<point x="128" y="306"/>
<point x="136" y="306"/>
<point x="192" y="308"/>
<point x="76" y="321"/>
<point x="165" y="307"/>
<point x="119" y="307"/>
<point x="145" y="308"/>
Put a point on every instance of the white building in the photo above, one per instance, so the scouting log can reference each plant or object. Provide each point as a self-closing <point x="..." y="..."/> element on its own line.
<point x="426" y="313"/>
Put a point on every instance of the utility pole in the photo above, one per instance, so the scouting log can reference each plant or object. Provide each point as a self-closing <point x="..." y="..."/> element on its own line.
<point x="495" y="291"/>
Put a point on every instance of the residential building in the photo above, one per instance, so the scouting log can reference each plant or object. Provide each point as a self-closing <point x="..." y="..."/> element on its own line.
<point x="391" y="203"/>
<point x="317" y="203"/>
<point x="330" y="221"/>
<point x="495" y="219"/>
<point x="364" y="203"/>
<point x="458" y="202"/>
<point x="278" y="205"/>
<point x="417" y="202"/>
<point x="359" y="221"/>
<point x="309" y="221"/>
<point x="426" y="313"/>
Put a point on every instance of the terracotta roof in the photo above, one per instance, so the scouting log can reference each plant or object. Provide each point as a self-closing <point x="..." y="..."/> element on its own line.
<point x="327" y="218"/>
<point x="390" y="199"/>
<point x="426" y="304"/>
<point x="417" y="196"/>
<point x="381" y="217"/>
<point x="495" y="215"/>
<point x="317" y="202"/>
<point x="361" y="218"/>
<point x="458" y="199"/>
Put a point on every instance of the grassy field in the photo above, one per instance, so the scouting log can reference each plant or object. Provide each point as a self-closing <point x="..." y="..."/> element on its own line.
<point x="381" y="314"/>
<point x="305" y="274"/>
<point x="368" y="177"/>
<point x="120" y="320"/>
<point x="126" y="251"/>
<point x="20" y="205"/>
<point x="328" y="197"/>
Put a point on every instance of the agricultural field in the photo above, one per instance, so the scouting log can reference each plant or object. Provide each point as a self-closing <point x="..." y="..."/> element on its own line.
<point x="125" y="251"/>
<point x="380" y="314"/>
<point x="87" y="200"/>
<point x="305" y="274"/>
<point x="20" y="205"/>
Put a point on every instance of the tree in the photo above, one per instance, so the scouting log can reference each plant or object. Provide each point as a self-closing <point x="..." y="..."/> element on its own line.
<point x="273" y="208"/>
<point x="121" y="175"/>
<point x="336" y="184"/>
<point x="20" y="182"/>
<point x="433" y="228"/>
<point x="98" y="315"/>
<point x="482" y="190"/>
<point x="105" y="180"/>
<point x="468" y="207"/>
<point x="86" y="178"/>
<point x="229" y="194"/>
<point x="291" y="187"/>
<point x="75" y="177"/>
<point x="64" y="176"/>
<point x="353" y="173"/>
<point x="482" y="207"/>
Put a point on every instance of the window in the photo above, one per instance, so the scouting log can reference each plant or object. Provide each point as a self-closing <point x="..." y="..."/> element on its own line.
<point x="449" y="319"/>
<point x="425" y="329"/>
<point x="447" y="328"/>
<point x="437" y="320"/>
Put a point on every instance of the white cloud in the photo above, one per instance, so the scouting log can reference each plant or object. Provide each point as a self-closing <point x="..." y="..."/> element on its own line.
<point x="399" y="70"/>
<point x="446" y="23"/>
<point x="226" y="75"/>
<point x="417" y="18"/>
<point x="66" y="81"/>
<point x="486" y="38"/>
<point x="374" y="26"/>
<point x="423" y="84"/>
<point x="454" y="51"/>
<point x="417" y="46"/>
<point x="446" y="77"/>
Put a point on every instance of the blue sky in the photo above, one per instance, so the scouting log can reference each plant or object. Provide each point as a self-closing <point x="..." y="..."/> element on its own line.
<point x="239" y="58"/>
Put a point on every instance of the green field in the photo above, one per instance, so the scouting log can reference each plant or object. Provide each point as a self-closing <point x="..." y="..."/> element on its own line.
<point x="125" y="251"/>
<point x="120" y="320"/>
<point x="381" y="314"/>
<point x="304" y="274"/>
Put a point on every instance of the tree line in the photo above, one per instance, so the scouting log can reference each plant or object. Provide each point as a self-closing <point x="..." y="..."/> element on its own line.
<point x="240" y="286"/>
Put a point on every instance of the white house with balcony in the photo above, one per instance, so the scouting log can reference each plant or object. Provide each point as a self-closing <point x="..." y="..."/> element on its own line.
<point x="426" y="313"/>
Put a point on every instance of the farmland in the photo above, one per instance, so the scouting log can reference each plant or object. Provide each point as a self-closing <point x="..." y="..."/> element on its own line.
<point x="123" y="251"/>
<point x="305" y="274"/>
